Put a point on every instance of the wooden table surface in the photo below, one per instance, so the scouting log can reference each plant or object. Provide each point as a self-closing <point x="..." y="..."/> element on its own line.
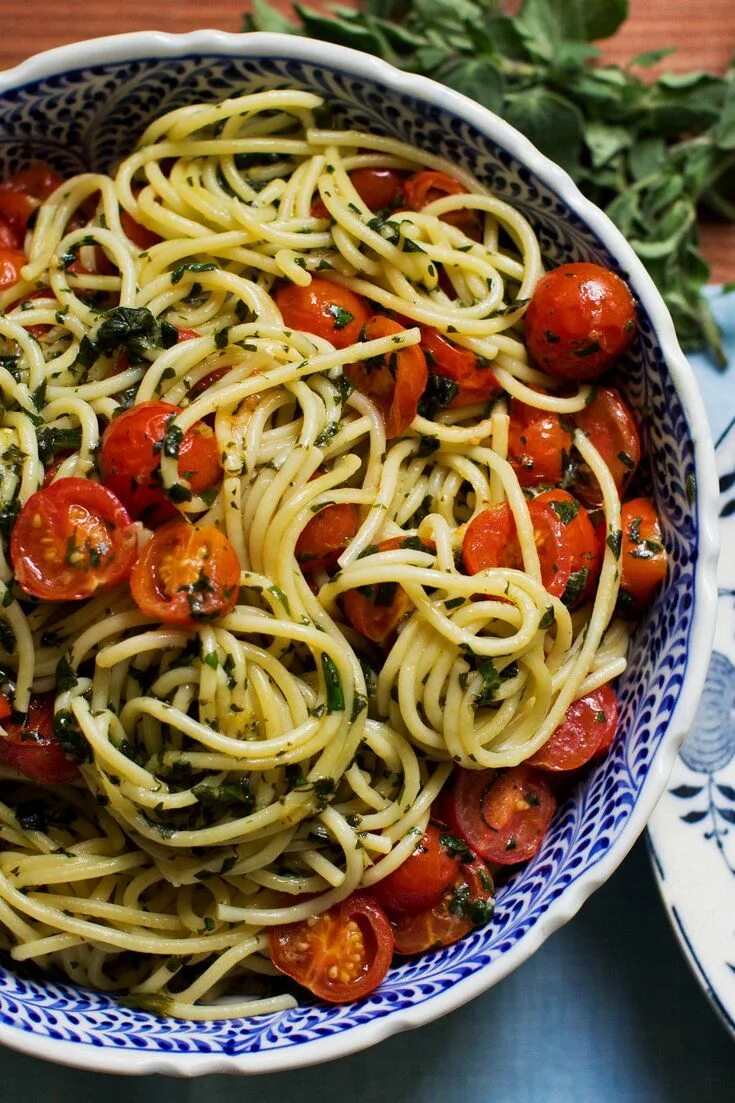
<point x="704" y="34"/>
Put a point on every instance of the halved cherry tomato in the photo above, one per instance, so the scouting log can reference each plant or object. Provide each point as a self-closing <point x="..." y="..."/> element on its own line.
<point x="32" y="748"/>
<point x="72" y="539"/>
<point x="376" y="611"/>
<point x="538" y="441"/>
<point x="39" y="179"/>
<point x="186" y="574"/>
<point x="422" y="879"/>
<point x="586" y="731"/>
<point x="11" y="262"/>
<point x="9" y="239"/>
<point x="583" y="542"/>
<point x="378" y="189"/>
<point x="325" y="309"/>
<point x="474" y="377"/>
<point x="130" y="459"/>
<point x="568" y="553"/>
<point x="341" y="955"/>
<point x="326" y="536"/>
<point x="502" y="814"/>
<point x="428" y="185"/>
<point x="396" y="382"/>
<point x="466" y="904"/>
<point x="609" y="424"/>
<point x="139" y="235"/>
<point x="580" y="320"/>
<point x="643" y="555"/>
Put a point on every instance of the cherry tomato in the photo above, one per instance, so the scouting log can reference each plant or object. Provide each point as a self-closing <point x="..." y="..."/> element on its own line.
<point x="72" y="539"/>
<point x="568" y="553"/>
<point x="609" y="424"/>
<point x="421" y="881"/>
<point x="428" y="185"/>
<point x="324" y="309"/>
<point x="16" y="209"/>
<point x="139" y="235"/>
<point x="5" y="707"/>
<point x="376" y="611"/>
<point x="502" y="814"/>
<point x="326" y="536"/>
<point x="396" y="382"/>
<point x="130" y="459"/>
<point x="466" y="904"/>
<point x="643" y="555"/>
<point x="582" y="540"/>
<point x="9" y="239"/>
<point x="474" y="377"/>
<point x="186" y="574"/>
<point x="11" y="262"/>
<point x="32" y="748"/>
<point x="580" y="320"/>
<point x="39" y="180"/>
<point x="340" y="956"/>
<point x="378" y="188"/>
<point x="538" y="441"/>
<point x="586" y="731"/>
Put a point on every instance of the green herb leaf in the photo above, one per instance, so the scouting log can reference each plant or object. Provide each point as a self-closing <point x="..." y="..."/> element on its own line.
<point x="333" y="685"/>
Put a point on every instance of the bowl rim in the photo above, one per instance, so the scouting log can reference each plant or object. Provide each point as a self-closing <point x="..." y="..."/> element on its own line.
<point x="140" y="45"/>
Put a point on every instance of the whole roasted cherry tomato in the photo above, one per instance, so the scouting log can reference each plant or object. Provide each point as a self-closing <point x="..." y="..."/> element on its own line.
<point x="538" y="442"/>
<point x="582" y="541"/>
<point x="72" y="539"/>
<point x="379" y="189"/>
<point x="587" y="731"/>
<point x="341" y="955"/>
<point x="31" y="747"/>
<point x="325" y="309"/>
<point x="643" y="555"/>
<point x="16" y="208"/>
<point x="11" y="262"/>
<point x="396" y="382"/>
<point x="326" y="536"/>
<point x="131" y="454"/>
<point x="474" y="377"/>
<point x="580" y="320"/>
<point x="466" y="904"/>
<point x="422" y="879"/>
<point x="186" y="574"/>
<point x="376" y="611"/>
<point x="502" y="814"/>
<point x="609" y="424"/>
<point x="39" y="180"/>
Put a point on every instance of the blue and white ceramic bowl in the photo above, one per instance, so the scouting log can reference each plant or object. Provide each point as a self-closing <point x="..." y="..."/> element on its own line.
<point x="83" y="106"/>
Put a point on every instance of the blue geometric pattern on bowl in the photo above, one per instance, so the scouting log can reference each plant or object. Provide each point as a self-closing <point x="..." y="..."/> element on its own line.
<point x="90" y="118"/>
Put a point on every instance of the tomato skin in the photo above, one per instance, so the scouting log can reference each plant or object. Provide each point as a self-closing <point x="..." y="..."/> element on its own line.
<point x="586" y="732"/>
<point x="130" y="459"/>
<point x="580" y="321"/>
<point x="38" y="180"/>
<point x="186" y="575"/>
<point x="490" y="541"/>
<point x="395" y="387"/>
<point x="353" y="939"/>
<point x="609" y="424"/>
<point x="476" y="383"/>
<point x="378" y="188"/>
<point x="426" y="186"/>
<point x="322" y="309"/>
<point x="537" y="443"/>
<point x="31" y="746"/>
<point x="643" y="555"/>
<point x="9" y="239"/>
<point x="583" y="541"/>
<point x="421" y="881"/>
<point x="11" y="262"/>
<point x="16" y="208"/>
<point x="325" y="537"/>
<point x="139" y="235"/>
<point x="502" y="814"/>
<point x="377" y="615"/>
<point x="72" y="518"/>
<point x="446" y="922"/>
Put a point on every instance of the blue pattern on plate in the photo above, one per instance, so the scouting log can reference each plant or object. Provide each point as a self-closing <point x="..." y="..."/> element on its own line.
<point x="90" y="117"/>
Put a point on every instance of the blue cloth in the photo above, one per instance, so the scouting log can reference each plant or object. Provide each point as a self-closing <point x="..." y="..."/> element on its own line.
<point x="605" y="1012"/>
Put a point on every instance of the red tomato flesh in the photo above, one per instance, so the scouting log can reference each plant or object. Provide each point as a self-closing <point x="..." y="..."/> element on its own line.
<point x="377" y="611"/>
<point x="32" y="748"/>
<point x="474" y="378"/>
<point x="580" y="321"/>
<point x="427" y="186"/>
<point x="72" y="539"/>
<point x="502" y="814"/>
<point x="11" y="262"/>
<point x="186" y="575"/>
<point x="467" y="903"/>
<point x="422" y="879"/>
<point x="326" y="536"/>
<point x="587" y="731"/>
<point x="609" y="424"/>
<point x="340" y="956"/>
<point x="396" y="382"/>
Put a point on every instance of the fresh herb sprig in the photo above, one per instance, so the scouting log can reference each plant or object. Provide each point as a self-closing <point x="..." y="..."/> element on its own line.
<point x="650" y="153"/>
